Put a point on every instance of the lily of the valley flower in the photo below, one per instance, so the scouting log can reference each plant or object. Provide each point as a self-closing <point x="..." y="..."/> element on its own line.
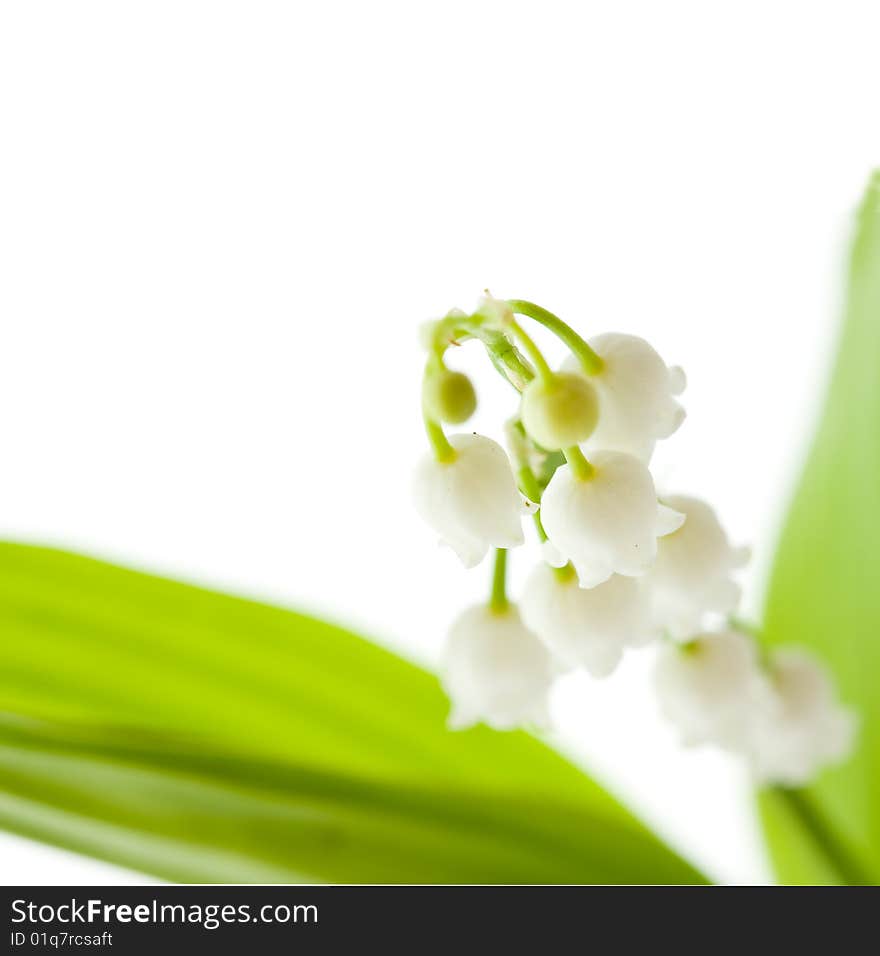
<point x="693" y="572"/>
<point x="471" y="501"/>
<point x="619" y="569"/>
<point x="608" y="523"/>
<point x="495" y="670"/>
<point x="637" y="390"/>
<point x="585" y="628"/>
<point x="709" y="688"/>
<point x="801" y="726"/>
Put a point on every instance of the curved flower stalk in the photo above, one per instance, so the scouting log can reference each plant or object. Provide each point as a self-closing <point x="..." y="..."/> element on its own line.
<point x="618" y="567"/>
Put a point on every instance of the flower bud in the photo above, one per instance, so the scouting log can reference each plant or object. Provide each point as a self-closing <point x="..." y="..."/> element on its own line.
<point x="449" y="396"/>
<point x="560" y="412"/>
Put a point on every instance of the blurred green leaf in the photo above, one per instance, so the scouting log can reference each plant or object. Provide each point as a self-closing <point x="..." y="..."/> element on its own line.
<point x="203" y="737"/>
<point x="825" y="590"/>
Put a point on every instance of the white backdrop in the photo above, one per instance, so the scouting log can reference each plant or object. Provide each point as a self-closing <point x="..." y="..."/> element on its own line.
<point x="221" y="223"/>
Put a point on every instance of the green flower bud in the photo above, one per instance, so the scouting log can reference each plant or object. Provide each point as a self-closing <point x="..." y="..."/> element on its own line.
<point x="560" y="412"/>
<point x="449" y="396"/>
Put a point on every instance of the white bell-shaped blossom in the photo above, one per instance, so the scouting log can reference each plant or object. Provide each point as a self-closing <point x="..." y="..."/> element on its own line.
<point x="608" y="523"/>
<point x="708" y="688"/>
<point x="472" y="501"/>
<point x="585" y="628"/>
<point x="801" y="726"/>
<point x="637" y="404"/>
<point x="495" y="670"/>
<point x="693" y="572"/>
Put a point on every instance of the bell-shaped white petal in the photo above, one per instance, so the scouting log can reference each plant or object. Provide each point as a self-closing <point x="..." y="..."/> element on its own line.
<point x="708" y="688"/>
<point x="637" y="392"/>
<point x="472" y="502"/>
<point x="609" y="523"/>
<point x="677" y="379"/>
<point x="801" y="726"/>
<point x="585" y="628"/>
<point x="496" y="671"/>
<point x="693" y="572"/>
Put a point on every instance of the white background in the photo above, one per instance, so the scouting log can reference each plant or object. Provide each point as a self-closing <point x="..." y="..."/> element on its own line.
<point x="221" y="224"/>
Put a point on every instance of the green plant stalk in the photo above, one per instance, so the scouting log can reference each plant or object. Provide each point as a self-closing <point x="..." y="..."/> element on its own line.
<point x="826" y="843"/>
<point x="578" y="463"/>
<point x="591" y="362"/>
<point x="443" y="450"/>
<point x="529" y="486"/>
<point x="542" y="368"/>
<point x="503" y="353"/>
<point x="498" y="599"/>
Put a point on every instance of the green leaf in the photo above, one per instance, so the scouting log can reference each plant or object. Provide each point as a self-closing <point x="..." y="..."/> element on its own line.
<point x="825" y="590"/>
<point x="204" y="737"/>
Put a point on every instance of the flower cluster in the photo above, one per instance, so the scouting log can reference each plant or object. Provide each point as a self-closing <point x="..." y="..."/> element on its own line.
<point x="620" y="569"/>
<point x="780" y="714"/>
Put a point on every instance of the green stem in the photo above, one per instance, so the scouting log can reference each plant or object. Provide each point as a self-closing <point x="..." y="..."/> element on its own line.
<point x="506" y="358"/>
<point x="529" y="486"/>
<point x="801" y="807"/>
<point x="503" y="354"/>
<point x="591" y="361"/>
<point x="443" y="451"/>
<point x="545" y="373"/>
<point x="578" y="463"/>
<point x="498" y="599"/>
